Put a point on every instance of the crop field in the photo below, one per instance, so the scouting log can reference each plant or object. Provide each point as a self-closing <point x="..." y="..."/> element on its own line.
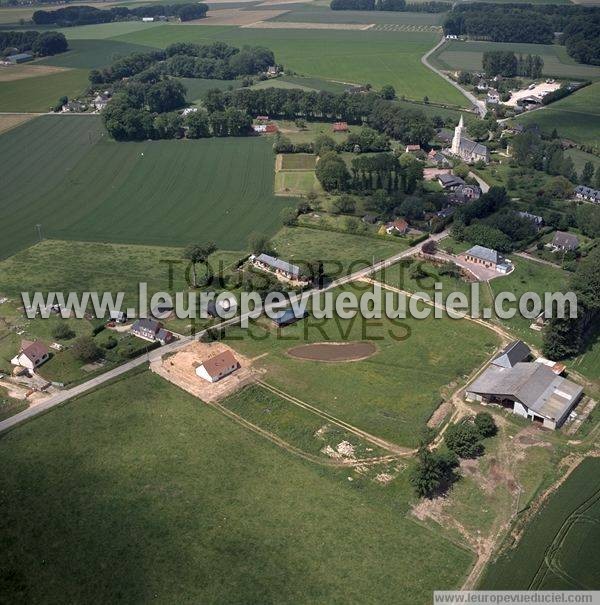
<point x="40" y="94"/>
<point x="298" y="161"/>
<point x="358" y="57"/>
<point x="9" y="121"/>
<point x="576" y="117"/>
<point x="109" y="459"/>
<point x="391" y="394"/>
<point x="134" y="193"/>
<point x="88" y="266"/>
<point x="309" y="13"/>
<point x="559" y="548"/>
<point x="467" y="55"/>
<point x="91" y="54"/>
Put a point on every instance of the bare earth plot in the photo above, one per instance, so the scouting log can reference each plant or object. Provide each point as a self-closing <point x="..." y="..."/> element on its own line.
<point x="237" y="16"/>
<point x="8" y="121"/>
<point x="20" y="72"/>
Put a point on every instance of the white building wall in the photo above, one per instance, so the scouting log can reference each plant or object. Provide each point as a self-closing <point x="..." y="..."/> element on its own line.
<point x="520" y="409"/>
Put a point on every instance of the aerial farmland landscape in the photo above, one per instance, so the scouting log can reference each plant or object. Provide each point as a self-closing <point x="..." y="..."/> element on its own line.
<point x="300" y="301"/>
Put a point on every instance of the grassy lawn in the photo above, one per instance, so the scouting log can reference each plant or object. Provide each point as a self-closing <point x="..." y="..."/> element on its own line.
<point x="340" y="252"/>
<point x="558" y="550"/>
<point x="86" y="266"/>
<point x="196" y="87"/>
<point x="391" y="394"/>
<point x="576" y="117"/>
<point x="460" y="54"/>
<point x="42" y="93"/>
<point x="154" y="192"/>
<point x="296" y="182"/>
<point x="528" y="276"/>
<point x="350" y="56"/>
<point x="298" y="161"/>
<point x="159" y="493"/>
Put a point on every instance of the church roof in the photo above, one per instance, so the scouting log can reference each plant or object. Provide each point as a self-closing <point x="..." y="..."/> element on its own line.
<point x="472" y="147"/>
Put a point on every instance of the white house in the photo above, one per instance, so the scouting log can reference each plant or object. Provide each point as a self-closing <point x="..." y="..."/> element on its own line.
<point x="32" y="355"/>
<point x="217" y="367"/>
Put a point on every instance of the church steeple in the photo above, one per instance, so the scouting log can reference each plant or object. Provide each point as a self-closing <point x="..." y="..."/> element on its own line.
<point x="457" y="136"/>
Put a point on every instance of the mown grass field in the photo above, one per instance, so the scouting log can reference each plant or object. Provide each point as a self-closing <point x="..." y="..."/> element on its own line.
<point x="42" y="93"/>
<point x="97" y="267"/>
<point x="167" y="193"/>
<point x="576" y="117"/>
<point x="467" y="55"/>
<point x="296" y="183"/>
<point x="391" y="394"/>
<point x="168" y="499"/>
<point x="351" y="56"/>
<point x="559" y="548"/>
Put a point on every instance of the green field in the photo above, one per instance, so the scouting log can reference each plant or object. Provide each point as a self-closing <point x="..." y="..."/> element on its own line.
<point x="42" y="93"/>
<point x="577" y="117"/>
<point x="142" y="492"/>
<point x="155" y="192"/>
<point x="350" y="56"/>
<point x="92" y="54"/>
<point x="87" y="266"/>
<point x="296" y="183"/>
<point x="196" y="87"/>
<point x="309" y="13"/>
<point x="559" y="548"/>
<point x="467" y="55"/>
<point x="391" y="394"/>
<point x="298" y="161"/>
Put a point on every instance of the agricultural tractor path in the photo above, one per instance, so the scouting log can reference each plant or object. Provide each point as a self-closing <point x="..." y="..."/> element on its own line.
<point x="66" y="395"/>
<point x="477" y="104"/>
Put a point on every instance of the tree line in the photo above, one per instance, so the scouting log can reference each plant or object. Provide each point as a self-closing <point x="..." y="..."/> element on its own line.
<point x="390" y="5"/>
<point x="535" y="24"/>
<point x="87" y="15"/>
<point x="183" y="59"/>
<point x="40" y="43"/>
<point x="397" y="122"/>
<point x="507" y="64"/>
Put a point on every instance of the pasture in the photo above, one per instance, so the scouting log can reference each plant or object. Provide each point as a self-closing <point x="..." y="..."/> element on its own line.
<point x="467" y="55"/>
<point x="357" y="57"/>
<point x="576" y="117"/>
<point x="391" y="394"/>
<point x="131" y="461"/>
<point x="559" y="547"/>
<point x="98" y="267"/>
<point x="41" y="93"/>
<point x="167" y="193"/>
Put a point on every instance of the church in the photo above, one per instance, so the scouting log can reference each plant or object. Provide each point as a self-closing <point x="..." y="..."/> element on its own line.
<point x="467" y="150"/>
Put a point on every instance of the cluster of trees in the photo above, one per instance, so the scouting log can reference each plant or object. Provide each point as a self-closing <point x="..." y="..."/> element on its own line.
<point x="41" y="44"/>
<point x="530" y="23"/>
<point x="183" y="59"/>
<point x="390" y="5"/>
<point x="568" y="337"/>
<point x="87" y="15"/>
<point x="436" y="471"/>
<point x="506" y="63"/>
<point x="393" y="120"/>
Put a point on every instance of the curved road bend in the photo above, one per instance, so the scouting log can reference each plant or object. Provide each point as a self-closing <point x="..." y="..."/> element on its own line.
<point x="479" y="105"/>
<point x="63" y="396"/>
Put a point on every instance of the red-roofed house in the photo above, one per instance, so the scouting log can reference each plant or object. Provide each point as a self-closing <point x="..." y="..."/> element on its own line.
<point x="340" y="127"/>
<point x="398" y="226"/>
<point x="217" y="367"/>
<point x="32" y="355"/>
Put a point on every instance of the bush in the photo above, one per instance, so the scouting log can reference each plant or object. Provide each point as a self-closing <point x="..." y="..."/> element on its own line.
<point x="485" y="424"/>
<point x="62" y="332"/>
<point x="85" y="349"/>
<point x="464" y="440"/>
<point x="433" y="472"/>
<point x="111" y="342"/>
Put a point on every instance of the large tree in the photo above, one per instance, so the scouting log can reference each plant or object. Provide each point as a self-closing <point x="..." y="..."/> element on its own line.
<point x="198" y="253"/>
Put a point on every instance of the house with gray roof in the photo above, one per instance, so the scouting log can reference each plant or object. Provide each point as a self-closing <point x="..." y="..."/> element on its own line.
<point x="450" y="181"/>
<point x="513" y="354"/>
<point x="537" y="221"/>
<point x="565" y="241"/>
<point x="490" y="259"/>
<point x="530" y="390"/>
<point x="277" y="266"/>
<point x="588" y="194"/>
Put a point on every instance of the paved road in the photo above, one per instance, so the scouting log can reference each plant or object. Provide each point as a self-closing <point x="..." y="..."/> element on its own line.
<point x="67" y="394"/>
<point x="477" y="104"/>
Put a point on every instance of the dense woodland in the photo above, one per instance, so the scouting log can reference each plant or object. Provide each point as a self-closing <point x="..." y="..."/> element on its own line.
<point x="390" y="5"/>
<point x="536" y="24"/>
<point x="182" y="59"/>
<point x="87" y="15"/>
<point x="41" y="44"/>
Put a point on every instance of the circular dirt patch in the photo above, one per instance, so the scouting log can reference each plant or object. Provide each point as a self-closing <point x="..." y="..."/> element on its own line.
<point x="334" y="351"/>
